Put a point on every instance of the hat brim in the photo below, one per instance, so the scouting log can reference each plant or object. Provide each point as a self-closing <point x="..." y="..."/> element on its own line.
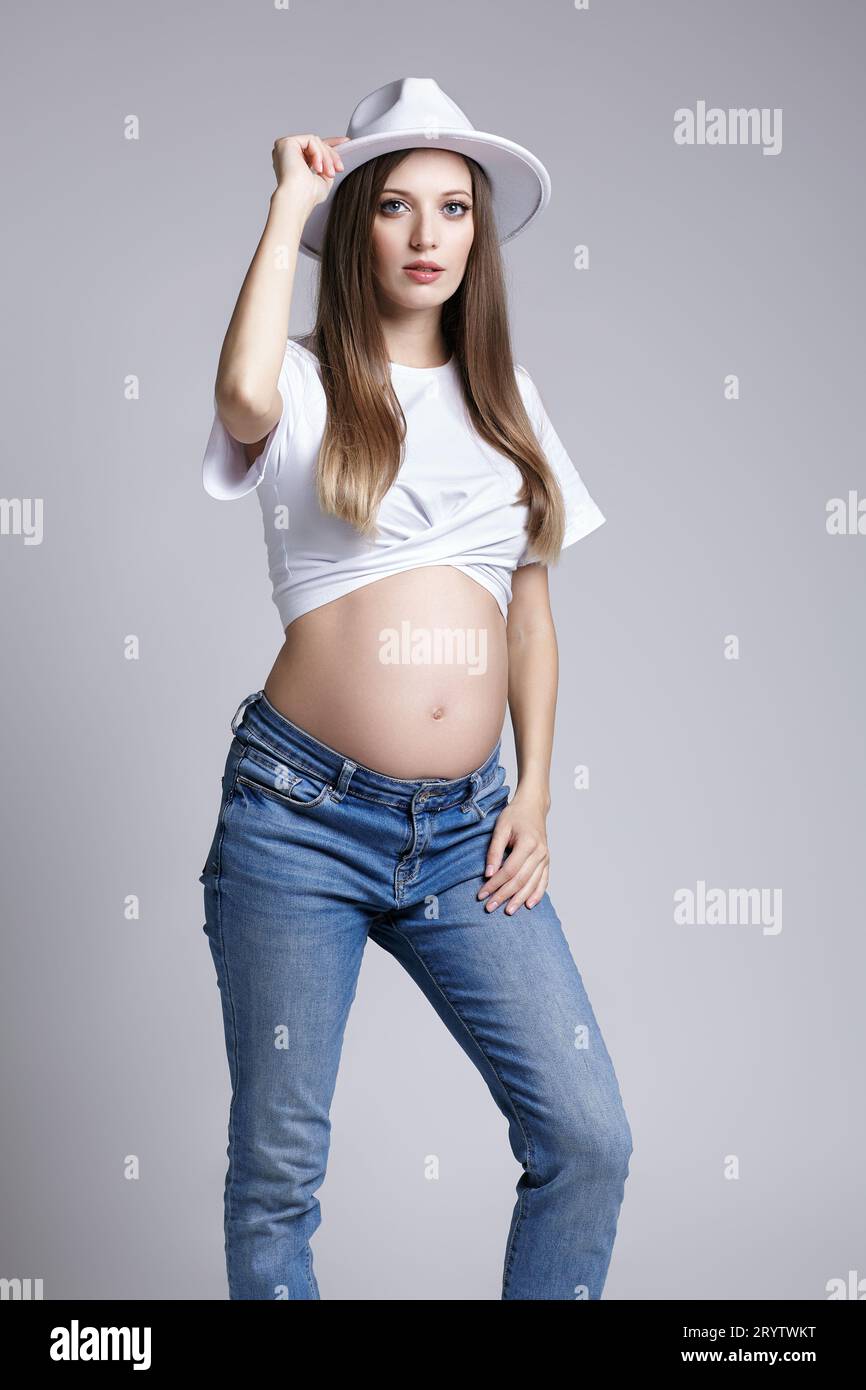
<point x="520" y="183"/>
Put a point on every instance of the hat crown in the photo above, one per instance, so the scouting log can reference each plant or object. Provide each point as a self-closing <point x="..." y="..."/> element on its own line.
<point x="415" y="113"/>
<point x="410" y="103"/>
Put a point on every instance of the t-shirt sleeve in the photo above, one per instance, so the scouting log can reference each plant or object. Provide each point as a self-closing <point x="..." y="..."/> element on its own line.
<point x="225" y="473"/>
<point x="582" y="513"/>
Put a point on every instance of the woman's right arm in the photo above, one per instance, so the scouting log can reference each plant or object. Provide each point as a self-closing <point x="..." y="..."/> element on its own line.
<point x="246" y="393"/>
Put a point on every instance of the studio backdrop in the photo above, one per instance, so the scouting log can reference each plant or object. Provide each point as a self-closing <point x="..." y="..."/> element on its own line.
<point x="692" y="300"/>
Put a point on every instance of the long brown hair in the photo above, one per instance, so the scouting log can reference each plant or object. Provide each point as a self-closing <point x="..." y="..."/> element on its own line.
<point x="361" y="448"/>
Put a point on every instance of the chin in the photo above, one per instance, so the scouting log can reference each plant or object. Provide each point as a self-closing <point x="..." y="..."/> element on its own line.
<point x="430" y="294"/>
<point x="425" y="298"/>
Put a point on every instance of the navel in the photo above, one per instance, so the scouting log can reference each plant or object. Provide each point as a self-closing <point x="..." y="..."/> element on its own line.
<point x="438" y="712"/>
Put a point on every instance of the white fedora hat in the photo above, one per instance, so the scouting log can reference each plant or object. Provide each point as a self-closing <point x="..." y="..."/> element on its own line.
<point x="414" y="112"/>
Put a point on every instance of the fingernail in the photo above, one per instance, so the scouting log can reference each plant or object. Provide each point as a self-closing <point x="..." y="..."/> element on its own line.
<point x="491" y="905"/>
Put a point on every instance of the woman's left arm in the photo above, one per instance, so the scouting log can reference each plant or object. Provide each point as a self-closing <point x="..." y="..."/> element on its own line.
<point x="533" y="677"/>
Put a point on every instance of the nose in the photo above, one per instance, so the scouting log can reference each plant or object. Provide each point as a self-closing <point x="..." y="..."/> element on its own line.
<point x="423" y="235"/>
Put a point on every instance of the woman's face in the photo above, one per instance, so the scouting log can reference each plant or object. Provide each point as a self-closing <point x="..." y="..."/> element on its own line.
<point x="424" y="213"/>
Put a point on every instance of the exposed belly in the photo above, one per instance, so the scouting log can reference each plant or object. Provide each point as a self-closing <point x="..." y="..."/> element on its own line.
<point x="407" y="675"/>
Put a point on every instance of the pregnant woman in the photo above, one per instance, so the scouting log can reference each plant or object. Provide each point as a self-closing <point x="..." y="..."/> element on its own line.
<point x="413" y="492"/>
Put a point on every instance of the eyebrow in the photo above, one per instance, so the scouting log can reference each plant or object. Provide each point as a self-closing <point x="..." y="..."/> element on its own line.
<point x="447" y="194"/>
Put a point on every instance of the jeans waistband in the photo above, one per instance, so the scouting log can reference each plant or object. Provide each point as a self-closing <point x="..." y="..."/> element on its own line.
<point x="257" y="721"/>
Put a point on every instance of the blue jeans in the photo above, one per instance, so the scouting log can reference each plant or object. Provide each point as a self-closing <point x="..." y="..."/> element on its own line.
<point x="312" y="854"/>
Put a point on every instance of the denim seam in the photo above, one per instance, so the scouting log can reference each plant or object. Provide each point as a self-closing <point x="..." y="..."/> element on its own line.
<point x="523" y="1197"/>
<point x="406" y="854"/>
<point x="230" y="796"/>
<point x="419" y="847"/>
<point x="236" y="1086"/>
<point x="408" y="844"/>
<point x="412" y="877"/>
<point x="512" y="1244"/>
<point x="309" y="1268"/>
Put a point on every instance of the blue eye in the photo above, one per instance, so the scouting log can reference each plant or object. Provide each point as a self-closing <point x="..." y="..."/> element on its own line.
<point x="398" y="202"/>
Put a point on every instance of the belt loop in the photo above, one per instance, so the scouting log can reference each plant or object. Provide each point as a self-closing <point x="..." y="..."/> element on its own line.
<point x="344" y="779"/>
<point x="239" y="712"/>
<point x="470" y="803"/>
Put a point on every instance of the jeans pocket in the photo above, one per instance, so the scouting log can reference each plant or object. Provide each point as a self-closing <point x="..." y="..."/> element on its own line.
<point x="286" y="781"/>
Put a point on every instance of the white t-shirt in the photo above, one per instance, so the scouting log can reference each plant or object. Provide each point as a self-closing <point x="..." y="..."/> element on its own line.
<point x="452" y="501"/>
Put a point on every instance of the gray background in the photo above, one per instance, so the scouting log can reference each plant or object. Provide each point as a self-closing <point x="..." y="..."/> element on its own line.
<point x="127" y="257"/>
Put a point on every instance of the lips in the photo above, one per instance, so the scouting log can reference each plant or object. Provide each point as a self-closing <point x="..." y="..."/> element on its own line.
<point x="423" y="272"/>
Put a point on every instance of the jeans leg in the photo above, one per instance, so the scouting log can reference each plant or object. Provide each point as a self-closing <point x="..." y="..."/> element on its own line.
<point x="509" y="991"/>
<point x="287" y="946"/>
